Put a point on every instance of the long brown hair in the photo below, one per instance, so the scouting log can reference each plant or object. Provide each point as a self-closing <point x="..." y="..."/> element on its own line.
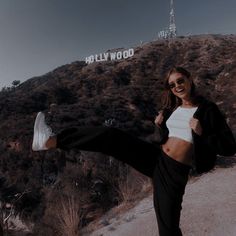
<point x="169" y="100"/>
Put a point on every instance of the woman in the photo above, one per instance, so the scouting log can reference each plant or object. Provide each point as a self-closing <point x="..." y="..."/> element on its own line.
<point x="191" y="132"/>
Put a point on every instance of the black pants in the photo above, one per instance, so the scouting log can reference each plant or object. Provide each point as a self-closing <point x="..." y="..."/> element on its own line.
<point x="169" y="176"/>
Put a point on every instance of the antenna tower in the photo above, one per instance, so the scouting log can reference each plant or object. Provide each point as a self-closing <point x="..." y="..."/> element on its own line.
<point x="172" y="26"/>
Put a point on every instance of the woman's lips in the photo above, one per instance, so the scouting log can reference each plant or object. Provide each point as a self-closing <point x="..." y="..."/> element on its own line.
<point x="179" y="90"/>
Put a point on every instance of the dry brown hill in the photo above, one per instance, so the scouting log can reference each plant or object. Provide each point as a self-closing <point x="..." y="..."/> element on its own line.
<point x="127" y="91"/>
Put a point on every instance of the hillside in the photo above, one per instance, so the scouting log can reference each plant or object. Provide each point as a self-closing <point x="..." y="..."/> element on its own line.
<point x="209" y="207"/>
<point x="127" y="92"/>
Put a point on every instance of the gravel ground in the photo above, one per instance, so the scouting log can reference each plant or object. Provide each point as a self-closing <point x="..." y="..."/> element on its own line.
<point x="209" y="208"/>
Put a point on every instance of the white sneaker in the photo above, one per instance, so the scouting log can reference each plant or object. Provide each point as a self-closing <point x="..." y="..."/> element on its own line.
<point x="42" y="132"/>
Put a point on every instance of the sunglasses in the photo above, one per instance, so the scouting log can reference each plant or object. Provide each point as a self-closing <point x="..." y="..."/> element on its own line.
<point x="178" y="82"/>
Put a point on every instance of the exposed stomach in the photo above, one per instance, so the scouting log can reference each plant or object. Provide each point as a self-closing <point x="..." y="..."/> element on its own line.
<point x="179" y="149"/>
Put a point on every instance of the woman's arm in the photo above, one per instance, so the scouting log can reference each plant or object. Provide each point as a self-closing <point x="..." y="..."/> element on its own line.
<point x="159" y="119"/>
<point x="195" y="125"/>
<point x="219" y="136"/>
<point x="160" y="134"/>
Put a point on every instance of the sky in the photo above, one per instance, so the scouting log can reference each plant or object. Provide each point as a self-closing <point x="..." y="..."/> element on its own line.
<point x="37" y="36"/>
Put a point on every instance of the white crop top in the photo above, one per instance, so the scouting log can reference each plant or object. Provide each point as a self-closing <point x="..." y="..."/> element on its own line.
<point x="178" y="123"/>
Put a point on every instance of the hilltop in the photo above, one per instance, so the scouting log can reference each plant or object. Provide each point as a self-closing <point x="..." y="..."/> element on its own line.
<point x="126" y="92"/>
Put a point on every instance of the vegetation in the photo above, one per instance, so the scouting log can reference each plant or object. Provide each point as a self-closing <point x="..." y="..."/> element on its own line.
<point x="124" y="94"/>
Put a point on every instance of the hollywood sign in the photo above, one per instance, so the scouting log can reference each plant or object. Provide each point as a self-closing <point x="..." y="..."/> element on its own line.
<point x="118" y="55"/>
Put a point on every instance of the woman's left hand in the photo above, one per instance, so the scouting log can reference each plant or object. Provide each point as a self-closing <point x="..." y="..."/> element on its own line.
<point x="195" y="126"/>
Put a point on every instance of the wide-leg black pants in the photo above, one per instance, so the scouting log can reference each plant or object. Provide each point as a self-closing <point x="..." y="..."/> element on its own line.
<point x="169" y="176"/>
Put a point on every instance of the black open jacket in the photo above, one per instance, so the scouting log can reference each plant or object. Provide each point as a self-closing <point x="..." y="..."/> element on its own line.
<point x="216" y="139"/>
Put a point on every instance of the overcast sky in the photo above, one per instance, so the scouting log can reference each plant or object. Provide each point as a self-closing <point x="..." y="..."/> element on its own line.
<point x="36" y="36"/>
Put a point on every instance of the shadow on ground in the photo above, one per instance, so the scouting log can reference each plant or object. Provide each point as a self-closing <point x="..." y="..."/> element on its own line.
<point x="225" y="162"/>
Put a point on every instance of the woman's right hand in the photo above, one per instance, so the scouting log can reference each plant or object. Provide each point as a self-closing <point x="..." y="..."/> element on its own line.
<point x="159" y="119"/>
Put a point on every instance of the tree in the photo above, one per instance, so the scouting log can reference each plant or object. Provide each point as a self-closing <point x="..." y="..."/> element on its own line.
<point x="15" y="83"/>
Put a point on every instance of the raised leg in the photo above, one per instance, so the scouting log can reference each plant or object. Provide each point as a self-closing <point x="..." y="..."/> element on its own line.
<point x="135" y="152"/>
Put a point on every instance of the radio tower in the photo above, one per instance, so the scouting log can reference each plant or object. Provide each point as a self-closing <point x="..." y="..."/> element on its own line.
<point x="172" y="27"/>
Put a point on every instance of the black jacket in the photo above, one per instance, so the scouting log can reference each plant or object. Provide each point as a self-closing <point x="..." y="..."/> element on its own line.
<point x="217" y="138"/>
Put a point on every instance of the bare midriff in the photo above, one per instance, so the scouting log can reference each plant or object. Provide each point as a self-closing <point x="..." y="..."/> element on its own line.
<point x="179" y="149"/>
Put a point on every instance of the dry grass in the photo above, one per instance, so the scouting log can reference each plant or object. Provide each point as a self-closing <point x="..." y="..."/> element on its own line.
<point x="135" y="188"/>
<point x="68" y="214"/>
<point x="134" y="185"/>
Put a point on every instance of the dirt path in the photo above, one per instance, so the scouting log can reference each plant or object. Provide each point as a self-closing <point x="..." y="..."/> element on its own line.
<point x="209" y="209"/>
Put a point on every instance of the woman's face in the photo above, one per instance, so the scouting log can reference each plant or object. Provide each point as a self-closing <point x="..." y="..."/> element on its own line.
<point x="180" y="86"/>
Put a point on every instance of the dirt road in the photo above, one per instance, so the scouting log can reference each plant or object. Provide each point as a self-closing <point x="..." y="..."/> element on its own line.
<point x="209" y="209"/>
